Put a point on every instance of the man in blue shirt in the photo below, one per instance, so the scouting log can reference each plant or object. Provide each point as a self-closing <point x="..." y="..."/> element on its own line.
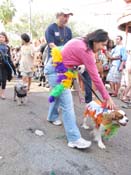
<point x="57" y="34"/>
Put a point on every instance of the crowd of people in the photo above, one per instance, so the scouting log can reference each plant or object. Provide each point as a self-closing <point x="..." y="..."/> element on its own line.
<point x="99" y="60"/>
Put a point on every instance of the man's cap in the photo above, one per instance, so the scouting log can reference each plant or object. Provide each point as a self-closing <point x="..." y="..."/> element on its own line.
<point x="64" y="11"/>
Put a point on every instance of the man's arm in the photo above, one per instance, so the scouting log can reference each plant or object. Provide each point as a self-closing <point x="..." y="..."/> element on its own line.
<point x="49" y="35"/>
<point x="112" y="58"/>
<point x="123" y="58"/>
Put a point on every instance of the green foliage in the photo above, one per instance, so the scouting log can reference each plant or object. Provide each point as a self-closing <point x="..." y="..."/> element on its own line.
<point x="34" y="25"/>
<point x="81" y="29"/>
<point x="7" y="11"/>
<point x="39" y="23"/>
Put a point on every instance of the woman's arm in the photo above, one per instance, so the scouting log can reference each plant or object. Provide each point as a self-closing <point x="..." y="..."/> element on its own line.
<point x="88" y="60"/>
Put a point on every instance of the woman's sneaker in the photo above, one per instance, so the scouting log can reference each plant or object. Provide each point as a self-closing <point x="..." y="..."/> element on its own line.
<point x="56" y="122"/>
<point x="80" y="144"/>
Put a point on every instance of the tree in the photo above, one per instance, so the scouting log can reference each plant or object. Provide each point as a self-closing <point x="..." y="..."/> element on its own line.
<point x="39" y="23"/>
<point x="7" y="11"/>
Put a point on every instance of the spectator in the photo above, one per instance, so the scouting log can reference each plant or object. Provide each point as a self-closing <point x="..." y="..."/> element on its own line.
<point x="6" y="64"/>
<point x="26" y="60"/>
<point x="127" y="92"/>
<point x="118" y="58"/>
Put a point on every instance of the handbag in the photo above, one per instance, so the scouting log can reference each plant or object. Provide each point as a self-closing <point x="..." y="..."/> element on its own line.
<point x="106" y="66"/>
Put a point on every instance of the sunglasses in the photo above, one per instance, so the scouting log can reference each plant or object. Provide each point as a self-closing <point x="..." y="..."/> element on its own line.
<point x="66" y="16"/>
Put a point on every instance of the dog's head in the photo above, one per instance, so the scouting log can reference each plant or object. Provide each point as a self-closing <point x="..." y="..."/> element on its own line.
<point x="119" y="116"/>
<point x="24" y="88"/>
<point x="21" y="88"/>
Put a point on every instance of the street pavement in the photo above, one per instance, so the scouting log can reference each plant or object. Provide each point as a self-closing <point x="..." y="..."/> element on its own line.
<point x="22" y="152"/>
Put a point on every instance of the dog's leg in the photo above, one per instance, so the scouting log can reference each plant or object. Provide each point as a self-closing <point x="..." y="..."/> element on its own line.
<point x="84" y="125"/>
<point x="15" y="94"/>
<point x="19" y="101"/>
<point x="22" y="100"/>
<point x="98" y="136"/>
<point x="25" y="100"/>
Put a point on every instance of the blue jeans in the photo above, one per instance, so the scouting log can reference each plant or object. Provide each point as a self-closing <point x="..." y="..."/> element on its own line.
<point x="65" y="101"/>
<point x="87" y="83"/>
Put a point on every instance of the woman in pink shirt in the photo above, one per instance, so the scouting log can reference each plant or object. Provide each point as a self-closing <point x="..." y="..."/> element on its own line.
<point x="78" y="52"/>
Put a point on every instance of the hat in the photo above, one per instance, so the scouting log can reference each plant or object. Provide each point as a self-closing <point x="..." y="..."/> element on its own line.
<point x="65" y="11"/>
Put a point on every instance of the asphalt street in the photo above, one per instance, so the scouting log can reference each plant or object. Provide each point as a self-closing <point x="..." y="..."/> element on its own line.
<point x="22" y="152"/>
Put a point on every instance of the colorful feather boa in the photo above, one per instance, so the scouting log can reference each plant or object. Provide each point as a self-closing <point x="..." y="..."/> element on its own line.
<point x="65" y="76"/>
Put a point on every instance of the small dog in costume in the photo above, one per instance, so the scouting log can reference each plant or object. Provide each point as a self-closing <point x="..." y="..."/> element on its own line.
<point x="106" y="121"/>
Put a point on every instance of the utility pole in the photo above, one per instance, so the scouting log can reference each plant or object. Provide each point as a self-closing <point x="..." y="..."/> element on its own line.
<point x="30" y="18"/>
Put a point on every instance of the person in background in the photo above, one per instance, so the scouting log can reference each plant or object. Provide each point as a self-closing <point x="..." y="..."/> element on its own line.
<point x="57" y="34"/>
<point x="37" y="44"/>
<point x="6" y="64"/>
<point x="118" y="58"/>
<point x="107" y="52"/>
<point x="127" y="93"/>
<point x="16" y="60"/>
<point x="26" y="60"/>
<point x="110" y="46"/>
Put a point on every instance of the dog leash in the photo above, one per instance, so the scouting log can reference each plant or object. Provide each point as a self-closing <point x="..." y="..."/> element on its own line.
<point x="84" y="80"/>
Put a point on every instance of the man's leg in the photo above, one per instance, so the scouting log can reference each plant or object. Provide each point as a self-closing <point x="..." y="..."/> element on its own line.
<point x="29" y="82"/>
<point x="117" y="86"/>
<point x="3" y="87"/>
<point x="87" y="84"/>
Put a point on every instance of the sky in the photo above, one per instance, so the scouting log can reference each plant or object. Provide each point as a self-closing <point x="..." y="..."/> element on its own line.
<point x="81" y="8"/>
<point x="98" y="13"/>
<point x="94" y="12"/>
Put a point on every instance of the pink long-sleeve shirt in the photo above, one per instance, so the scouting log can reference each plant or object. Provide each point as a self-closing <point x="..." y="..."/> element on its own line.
<point x="76" y="53"/>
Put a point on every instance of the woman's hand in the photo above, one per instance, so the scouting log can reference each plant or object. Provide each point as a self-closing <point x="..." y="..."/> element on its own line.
<point x="110" y="104"/>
